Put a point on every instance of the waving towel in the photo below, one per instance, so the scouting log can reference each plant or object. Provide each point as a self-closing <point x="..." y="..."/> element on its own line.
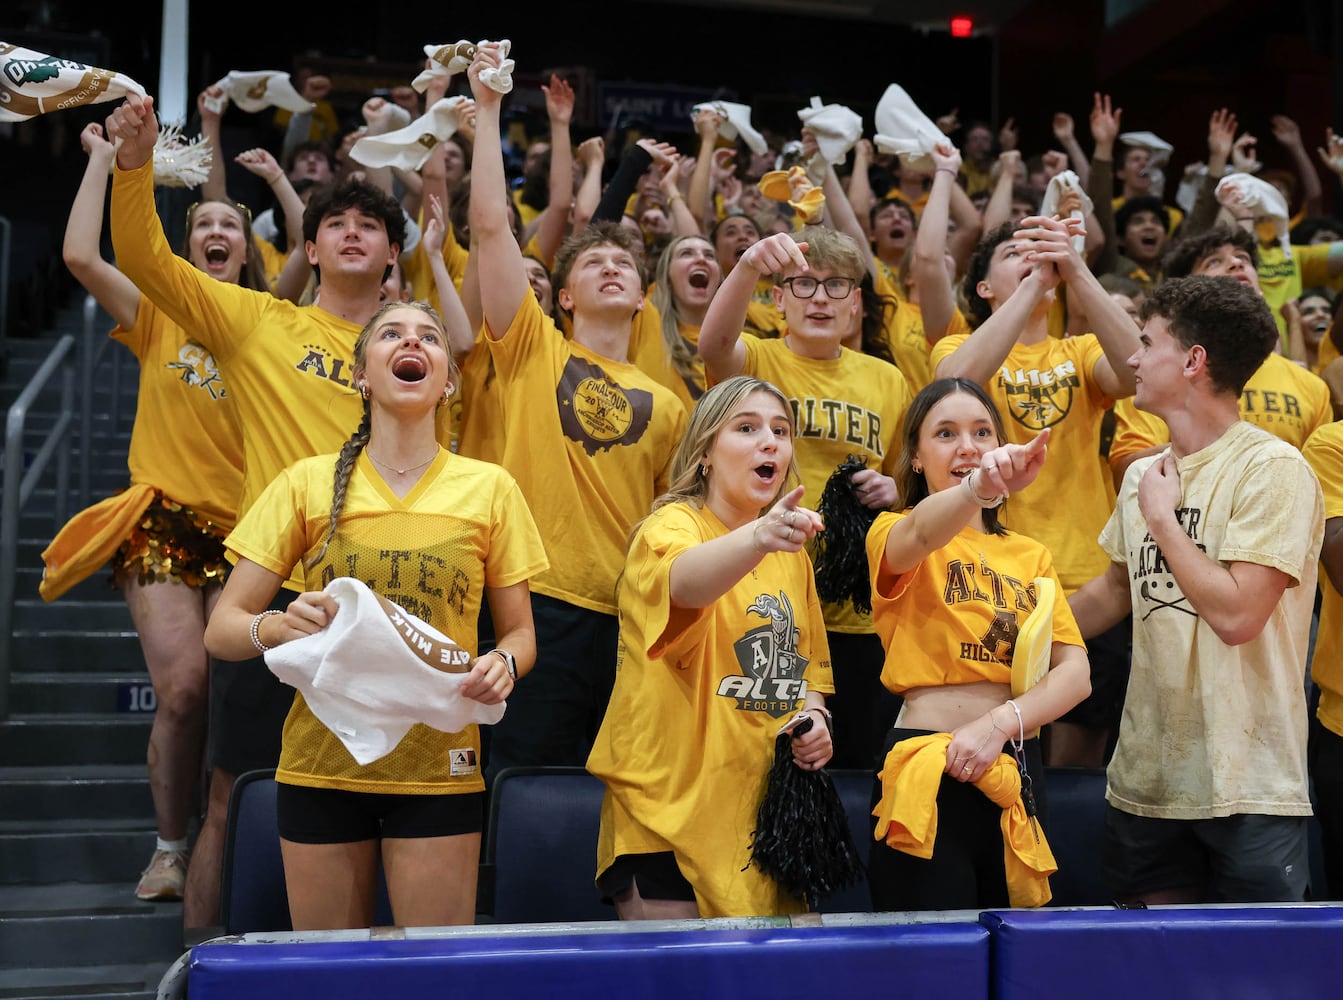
<point x="836" y="128"/>
<point x="905" y="130"/>
<point x="375" y="671"/>
<point x="33" y="83"/>
<point x="500" y="79"/>
<point x="448" y="61"/>
<point x="1049" y="205"/>
<point x="257" y="90"/>
<point x="1262" y="199"/>
<point x="738" y="124"/>
<point x="409" y="147"/>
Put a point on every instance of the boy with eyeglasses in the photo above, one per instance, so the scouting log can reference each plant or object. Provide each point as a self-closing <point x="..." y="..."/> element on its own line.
<point x="845" y="403"/>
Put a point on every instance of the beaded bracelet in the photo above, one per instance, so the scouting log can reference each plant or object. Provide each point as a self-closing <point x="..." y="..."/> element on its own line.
<point x="969" y="483"/>
<point x="256" y="630"/>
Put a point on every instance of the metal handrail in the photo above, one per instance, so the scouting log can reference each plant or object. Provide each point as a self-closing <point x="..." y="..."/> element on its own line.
<point x="5" y="229"/>
<point x="19" y="485"/>
<point x="91" y="354"/>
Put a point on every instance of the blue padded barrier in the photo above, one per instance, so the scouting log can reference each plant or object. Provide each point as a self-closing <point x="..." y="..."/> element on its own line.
<point x="1221" y="952"/>
<point x="893" y="961"/>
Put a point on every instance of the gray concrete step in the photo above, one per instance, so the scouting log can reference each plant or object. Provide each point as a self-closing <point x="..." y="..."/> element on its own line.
<point x="110" y="615"/>
<point x="58" y="693"/>
<point x="76" y="924"/>
<point x="102" y="982"/>
<point x="88" y="650"/>
<point x="45" y="740"/>
<point x="74" y="850"/>
<point x="94" y="791"/>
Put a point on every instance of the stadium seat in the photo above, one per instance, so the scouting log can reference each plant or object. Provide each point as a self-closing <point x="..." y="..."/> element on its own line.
<point x="1075" y="827"/>
<point x="541" y="846"/>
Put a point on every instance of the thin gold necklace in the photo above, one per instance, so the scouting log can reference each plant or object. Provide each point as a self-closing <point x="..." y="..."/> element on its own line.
<point x="400" y="472"/>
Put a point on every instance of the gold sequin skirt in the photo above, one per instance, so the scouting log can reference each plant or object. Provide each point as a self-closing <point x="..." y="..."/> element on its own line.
<point x="171" y="542"/>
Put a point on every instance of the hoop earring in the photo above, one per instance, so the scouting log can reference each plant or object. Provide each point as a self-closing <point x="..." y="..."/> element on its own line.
<point x="916" y="467"/>
<point x="703" y="472"/>
<point x="363" y="390"/>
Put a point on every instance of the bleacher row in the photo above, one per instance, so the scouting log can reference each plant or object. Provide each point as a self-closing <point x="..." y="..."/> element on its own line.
<point x="543" y="926"/>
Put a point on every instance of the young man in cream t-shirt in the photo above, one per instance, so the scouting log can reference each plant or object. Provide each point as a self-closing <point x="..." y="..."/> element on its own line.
<point x="1214" y="545"/>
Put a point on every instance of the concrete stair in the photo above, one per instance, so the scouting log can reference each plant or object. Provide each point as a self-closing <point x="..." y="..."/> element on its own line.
<point x="76" y="817"/>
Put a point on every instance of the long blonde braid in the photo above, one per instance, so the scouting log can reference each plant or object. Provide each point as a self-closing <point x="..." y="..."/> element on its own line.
<point x="349" y="454"/>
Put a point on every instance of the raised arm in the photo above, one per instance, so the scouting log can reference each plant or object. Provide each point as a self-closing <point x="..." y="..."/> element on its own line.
<point x="460" y="335"/>
<point x="939" y="517"/>
<point x="1067" y="137"/>
<point x="845" y="219"/>
<point x="937" y="299"/>
<point x="707" y="124"/>
<point x="969" y="227"/>
<point x="860" y="188"/>
<point x="703" y="574"/>
<point x="1051" y="242"/>
<point x="1288" y="133"/>
<point x="682" y="219"/>
<point x="592" y="154"/>
<point x="720" y="335"/>
<point x="985" y="350"/>
<point x="1100" y="187"/>
<point x="503" y="277"/>
<point x="554" y="221"/>
<point x="214" y="188"/>
<point x="261" y="163"/>
<point x="1221" y="136"/>
<point x="999" y="208"/>
<point x="84" y="232"/>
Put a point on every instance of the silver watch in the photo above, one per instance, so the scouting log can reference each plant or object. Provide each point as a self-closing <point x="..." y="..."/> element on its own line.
<point x="509" y="662"/>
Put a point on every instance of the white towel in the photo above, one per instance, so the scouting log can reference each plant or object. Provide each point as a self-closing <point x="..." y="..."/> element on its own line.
<point x="33" y="83"/>
<point x="836" y="128"/>
<point x="1158" y="155"/>
<point x="1049" y="205"/>
<point x="375" y="671"/>
<point x="1158" y="149"/>
<point x="260" y="89"/>
<point x="1262" y="199"/>
<point x="501" y="79"/>
<point x="738" y="124"/>
<point x="449" y="60"/>
<point x="409" y="147"/>
<point x="905" y="130"/>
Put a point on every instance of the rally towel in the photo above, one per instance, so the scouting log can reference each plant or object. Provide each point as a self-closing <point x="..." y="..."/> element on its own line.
<point x="905" y="130"/>
<point x="836" y="128"/>
<point x="33" y="83"/>
<point x="375" y="671"/>
<point x="738" y="124"/>
<point x="409" y="147"/>
<point x="257" y="90"/>
<point x="446" y="61"/>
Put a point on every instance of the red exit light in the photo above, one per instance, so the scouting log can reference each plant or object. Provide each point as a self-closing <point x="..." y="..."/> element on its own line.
<point x="962" y="27"/>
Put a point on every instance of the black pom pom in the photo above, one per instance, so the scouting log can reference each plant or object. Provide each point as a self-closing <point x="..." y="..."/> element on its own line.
<point x="802" y="838"/>
<point x="840" y="552"/>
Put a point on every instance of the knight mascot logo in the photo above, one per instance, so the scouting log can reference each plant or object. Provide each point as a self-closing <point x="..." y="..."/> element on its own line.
<point x="771" y="669"/>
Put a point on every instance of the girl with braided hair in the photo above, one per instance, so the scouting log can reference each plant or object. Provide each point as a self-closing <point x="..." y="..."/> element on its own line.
<point x="435" y="533"/>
